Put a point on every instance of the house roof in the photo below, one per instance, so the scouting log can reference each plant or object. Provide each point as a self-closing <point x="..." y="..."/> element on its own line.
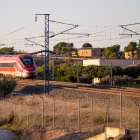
<point x="132" y="65"/>
<point x="88" y="48"/>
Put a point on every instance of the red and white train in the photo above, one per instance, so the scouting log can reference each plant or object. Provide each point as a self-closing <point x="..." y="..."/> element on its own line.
<point x="21" y="66"/>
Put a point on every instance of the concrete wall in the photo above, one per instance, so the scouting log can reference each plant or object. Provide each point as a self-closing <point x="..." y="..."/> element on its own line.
<point x="91" y="62"/>
<point x="101" y="136"/>
<point x="109" y="132"/>
<point x="106" y="62"/>
<point x="113" y="132"/>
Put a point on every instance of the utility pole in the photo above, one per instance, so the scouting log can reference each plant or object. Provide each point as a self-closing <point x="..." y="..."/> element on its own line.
<point x="53" y="70"/>
<point x="46" y="67"/>
<point x="77" y="73"/>
<point x="111" y="74"/>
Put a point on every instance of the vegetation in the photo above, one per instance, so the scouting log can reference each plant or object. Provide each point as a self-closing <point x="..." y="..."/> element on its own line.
<point x="7" y="86"/>
<point x="113" y="52"/>
<point x="85" y="105"/>
<point x="87" y="73"/>
<point x="86" y="45"/>
<point x="10" y="51"/>
<point x="124" y="80"/>
<point x="132" y="46"/>
<point x="99" y="119"/>
<point x="14" y="124"/>
<point x="64" y="48"/>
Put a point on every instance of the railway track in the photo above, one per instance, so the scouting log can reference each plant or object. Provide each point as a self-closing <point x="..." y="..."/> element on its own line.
<point x="130" y="92"/>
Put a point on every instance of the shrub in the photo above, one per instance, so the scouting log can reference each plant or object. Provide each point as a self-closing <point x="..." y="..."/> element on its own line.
<point x="70" y="60"/>
<point x="99" y="119"/>
<point x="105" y="80"/>
<point x="71" y="78"/>
<point x="85" y="105"/>
<point x="72" y="118"/>
<point x="6" y="87"/>
<point x="48" y="118"/>
<point x="11" y="117"/>
<point x="117" y="80"/>
<point x="20" y="98"/>
<point x="85" y="79"/>
<point x="122" y="80"/>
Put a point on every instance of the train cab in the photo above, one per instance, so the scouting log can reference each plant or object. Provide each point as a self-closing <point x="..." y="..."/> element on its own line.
<point x="22" y="66"/>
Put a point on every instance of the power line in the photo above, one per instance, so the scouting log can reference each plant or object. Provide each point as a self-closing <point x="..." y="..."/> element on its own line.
<point x="17" y="30"/>
<point x="111" y="19"/>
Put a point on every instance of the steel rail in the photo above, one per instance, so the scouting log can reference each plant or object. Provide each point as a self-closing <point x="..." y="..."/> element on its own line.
<point x="75" y="86"/>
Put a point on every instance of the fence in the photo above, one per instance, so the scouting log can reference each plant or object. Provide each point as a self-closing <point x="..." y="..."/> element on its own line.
<point x="75" y="110"/>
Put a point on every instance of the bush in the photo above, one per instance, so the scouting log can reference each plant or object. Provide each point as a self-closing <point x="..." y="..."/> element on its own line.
<point x="106" y="80"/>
<point x="6" y="87"/>
<point x="11" y="117"/>
<point x="71" y="78"/>
<point x="85" y="79"/>
<point x="122" y="80"/>
<point x="117" y="80"/>
<point x="70" y="60"/>
<point x="98" y="119"/>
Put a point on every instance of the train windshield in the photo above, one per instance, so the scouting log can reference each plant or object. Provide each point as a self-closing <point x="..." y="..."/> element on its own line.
<point x="27" y="61"/>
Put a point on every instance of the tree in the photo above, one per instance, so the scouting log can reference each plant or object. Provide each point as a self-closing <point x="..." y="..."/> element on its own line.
<point x="76" y="52"/>
<point x="21" y="52"/>
<point x="113" y="56"/>
<point x="7" y="50"/>
<point x="111" y="52"/>
<point x="86" y="45"/>
<point x="138" y="53"/>
<point x="63" y="47"/>
<point x="121" y="55"/>
<point x="132" y="46"/>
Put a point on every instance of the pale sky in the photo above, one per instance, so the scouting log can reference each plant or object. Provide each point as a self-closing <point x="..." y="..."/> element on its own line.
<point x="99" y="18"/>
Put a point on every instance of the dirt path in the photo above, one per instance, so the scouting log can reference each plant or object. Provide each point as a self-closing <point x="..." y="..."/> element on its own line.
<point x="5" y="134"/>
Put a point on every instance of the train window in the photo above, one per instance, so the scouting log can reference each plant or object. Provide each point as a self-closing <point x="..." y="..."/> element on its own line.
<point x="1" y="64"/>
<point x="27" y="61"/>
<point x="6" y="65"/>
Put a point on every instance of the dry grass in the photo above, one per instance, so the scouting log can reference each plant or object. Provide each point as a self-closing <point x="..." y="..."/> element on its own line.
<point x="99" y="112"/>
<point x="85" y="105"/>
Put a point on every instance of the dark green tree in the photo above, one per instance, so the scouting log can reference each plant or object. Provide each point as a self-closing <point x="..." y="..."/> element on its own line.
<point x="7" y="50"/>
<point x="63" y="47"/>
<point x="138" y="53"/>
<point x="132" y="46"/>
<point x="86" y="45"/>
<point x="111" y="52"/>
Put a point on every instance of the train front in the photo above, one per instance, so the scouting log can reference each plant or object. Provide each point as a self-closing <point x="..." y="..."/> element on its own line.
<point x="29" y="67"/>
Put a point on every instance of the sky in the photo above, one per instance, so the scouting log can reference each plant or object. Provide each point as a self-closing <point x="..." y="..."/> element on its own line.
<point x="101" y="19"/>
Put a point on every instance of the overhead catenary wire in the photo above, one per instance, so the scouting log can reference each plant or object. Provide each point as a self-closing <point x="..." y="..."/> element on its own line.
<point x="111" y="18"/>
<point x="84" y="39"/>
<point x="17" y="30"/>
<point x="64" y="38"/>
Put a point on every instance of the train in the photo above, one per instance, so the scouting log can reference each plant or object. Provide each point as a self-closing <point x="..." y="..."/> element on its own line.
<point x="19" y="66"/>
